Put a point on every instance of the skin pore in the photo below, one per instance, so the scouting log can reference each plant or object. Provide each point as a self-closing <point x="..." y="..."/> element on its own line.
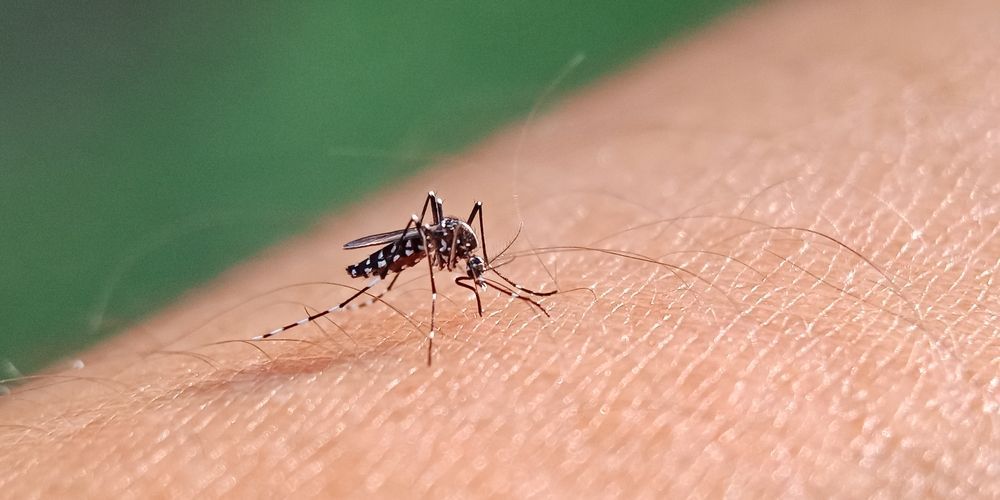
<point x="801" y="205"/>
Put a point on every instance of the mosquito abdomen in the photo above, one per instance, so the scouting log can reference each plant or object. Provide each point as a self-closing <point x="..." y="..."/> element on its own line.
<point x="390" y="258"/>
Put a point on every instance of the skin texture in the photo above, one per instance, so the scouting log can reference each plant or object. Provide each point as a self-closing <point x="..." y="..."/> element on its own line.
<point x="815" y="191"/>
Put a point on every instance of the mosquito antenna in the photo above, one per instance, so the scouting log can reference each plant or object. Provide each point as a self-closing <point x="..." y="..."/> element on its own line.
<point x="506" y="262"/>
<point x="520" y="226"/>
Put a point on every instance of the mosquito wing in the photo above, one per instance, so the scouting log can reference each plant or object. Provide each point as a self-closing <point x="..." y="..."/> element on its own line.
<point x="381" y="238"/>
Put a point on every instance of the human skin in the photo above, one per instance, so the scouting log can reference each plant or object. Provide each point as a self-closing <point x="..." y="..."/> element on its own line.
<point x="806" y="306"/>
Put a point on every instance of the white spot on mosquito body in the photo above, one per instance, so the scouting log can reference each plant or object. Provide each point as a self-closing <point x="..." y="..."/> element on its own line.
<point x="77" y="364"/>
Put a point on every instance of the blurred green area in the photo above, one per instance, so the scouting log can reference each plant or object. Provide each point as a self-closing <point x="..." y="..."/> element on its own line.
<point x="145" y="146"/>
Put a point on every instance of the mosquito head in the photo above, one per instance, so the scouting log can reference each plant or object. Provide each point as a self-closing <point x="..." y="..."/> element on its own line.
<point x="476" y="268"/>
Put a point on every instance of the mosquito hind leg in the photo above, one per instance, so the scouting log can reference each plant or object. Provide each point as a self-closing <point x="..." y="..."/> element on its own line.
<point x="376" y="298"/>
<point x="314" y="317"/>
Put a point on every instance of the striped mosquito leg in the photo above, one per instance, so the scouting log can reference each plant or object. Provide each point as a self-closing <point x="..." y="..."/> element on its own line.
<point x="374" y="298"/>
<point x="431" y="256"/>
<point x="314" y="317"/>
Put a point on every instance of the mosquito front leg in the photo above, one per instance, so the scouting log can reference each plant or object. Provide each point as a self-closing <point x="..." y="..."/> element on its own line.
<point x="437" y="207"/>
<point x="461" y="281"/>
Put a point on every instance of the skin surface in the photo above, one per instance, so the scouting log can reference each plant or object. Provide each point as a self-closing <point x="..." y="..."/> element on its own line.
<point x="815" y="189"/>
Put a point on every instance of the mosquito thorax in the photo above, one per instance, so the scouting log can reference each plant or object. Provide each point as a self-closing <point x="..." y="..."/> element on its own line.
<point x="455" y="230"/>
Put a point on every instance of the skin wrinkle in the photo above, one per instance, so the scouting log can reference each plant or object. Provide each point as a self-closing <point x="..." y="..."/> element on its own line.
<point x="822" y="381"/>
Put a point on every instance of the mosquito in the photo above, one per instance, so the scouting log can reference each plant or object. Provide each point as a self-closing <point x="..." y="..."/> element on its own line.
<point x="446" y="243"/>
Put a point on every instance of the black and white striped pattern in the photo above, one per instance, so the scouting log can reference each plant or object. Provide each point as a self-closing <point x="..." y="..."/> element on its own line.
<point x="347" y="304"/>
<point x="393" y="257"/>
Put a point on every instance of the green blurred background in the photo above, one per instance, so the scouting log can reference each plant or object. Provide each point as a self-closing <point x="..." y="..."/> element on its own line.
<point x="145" y="147"/>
